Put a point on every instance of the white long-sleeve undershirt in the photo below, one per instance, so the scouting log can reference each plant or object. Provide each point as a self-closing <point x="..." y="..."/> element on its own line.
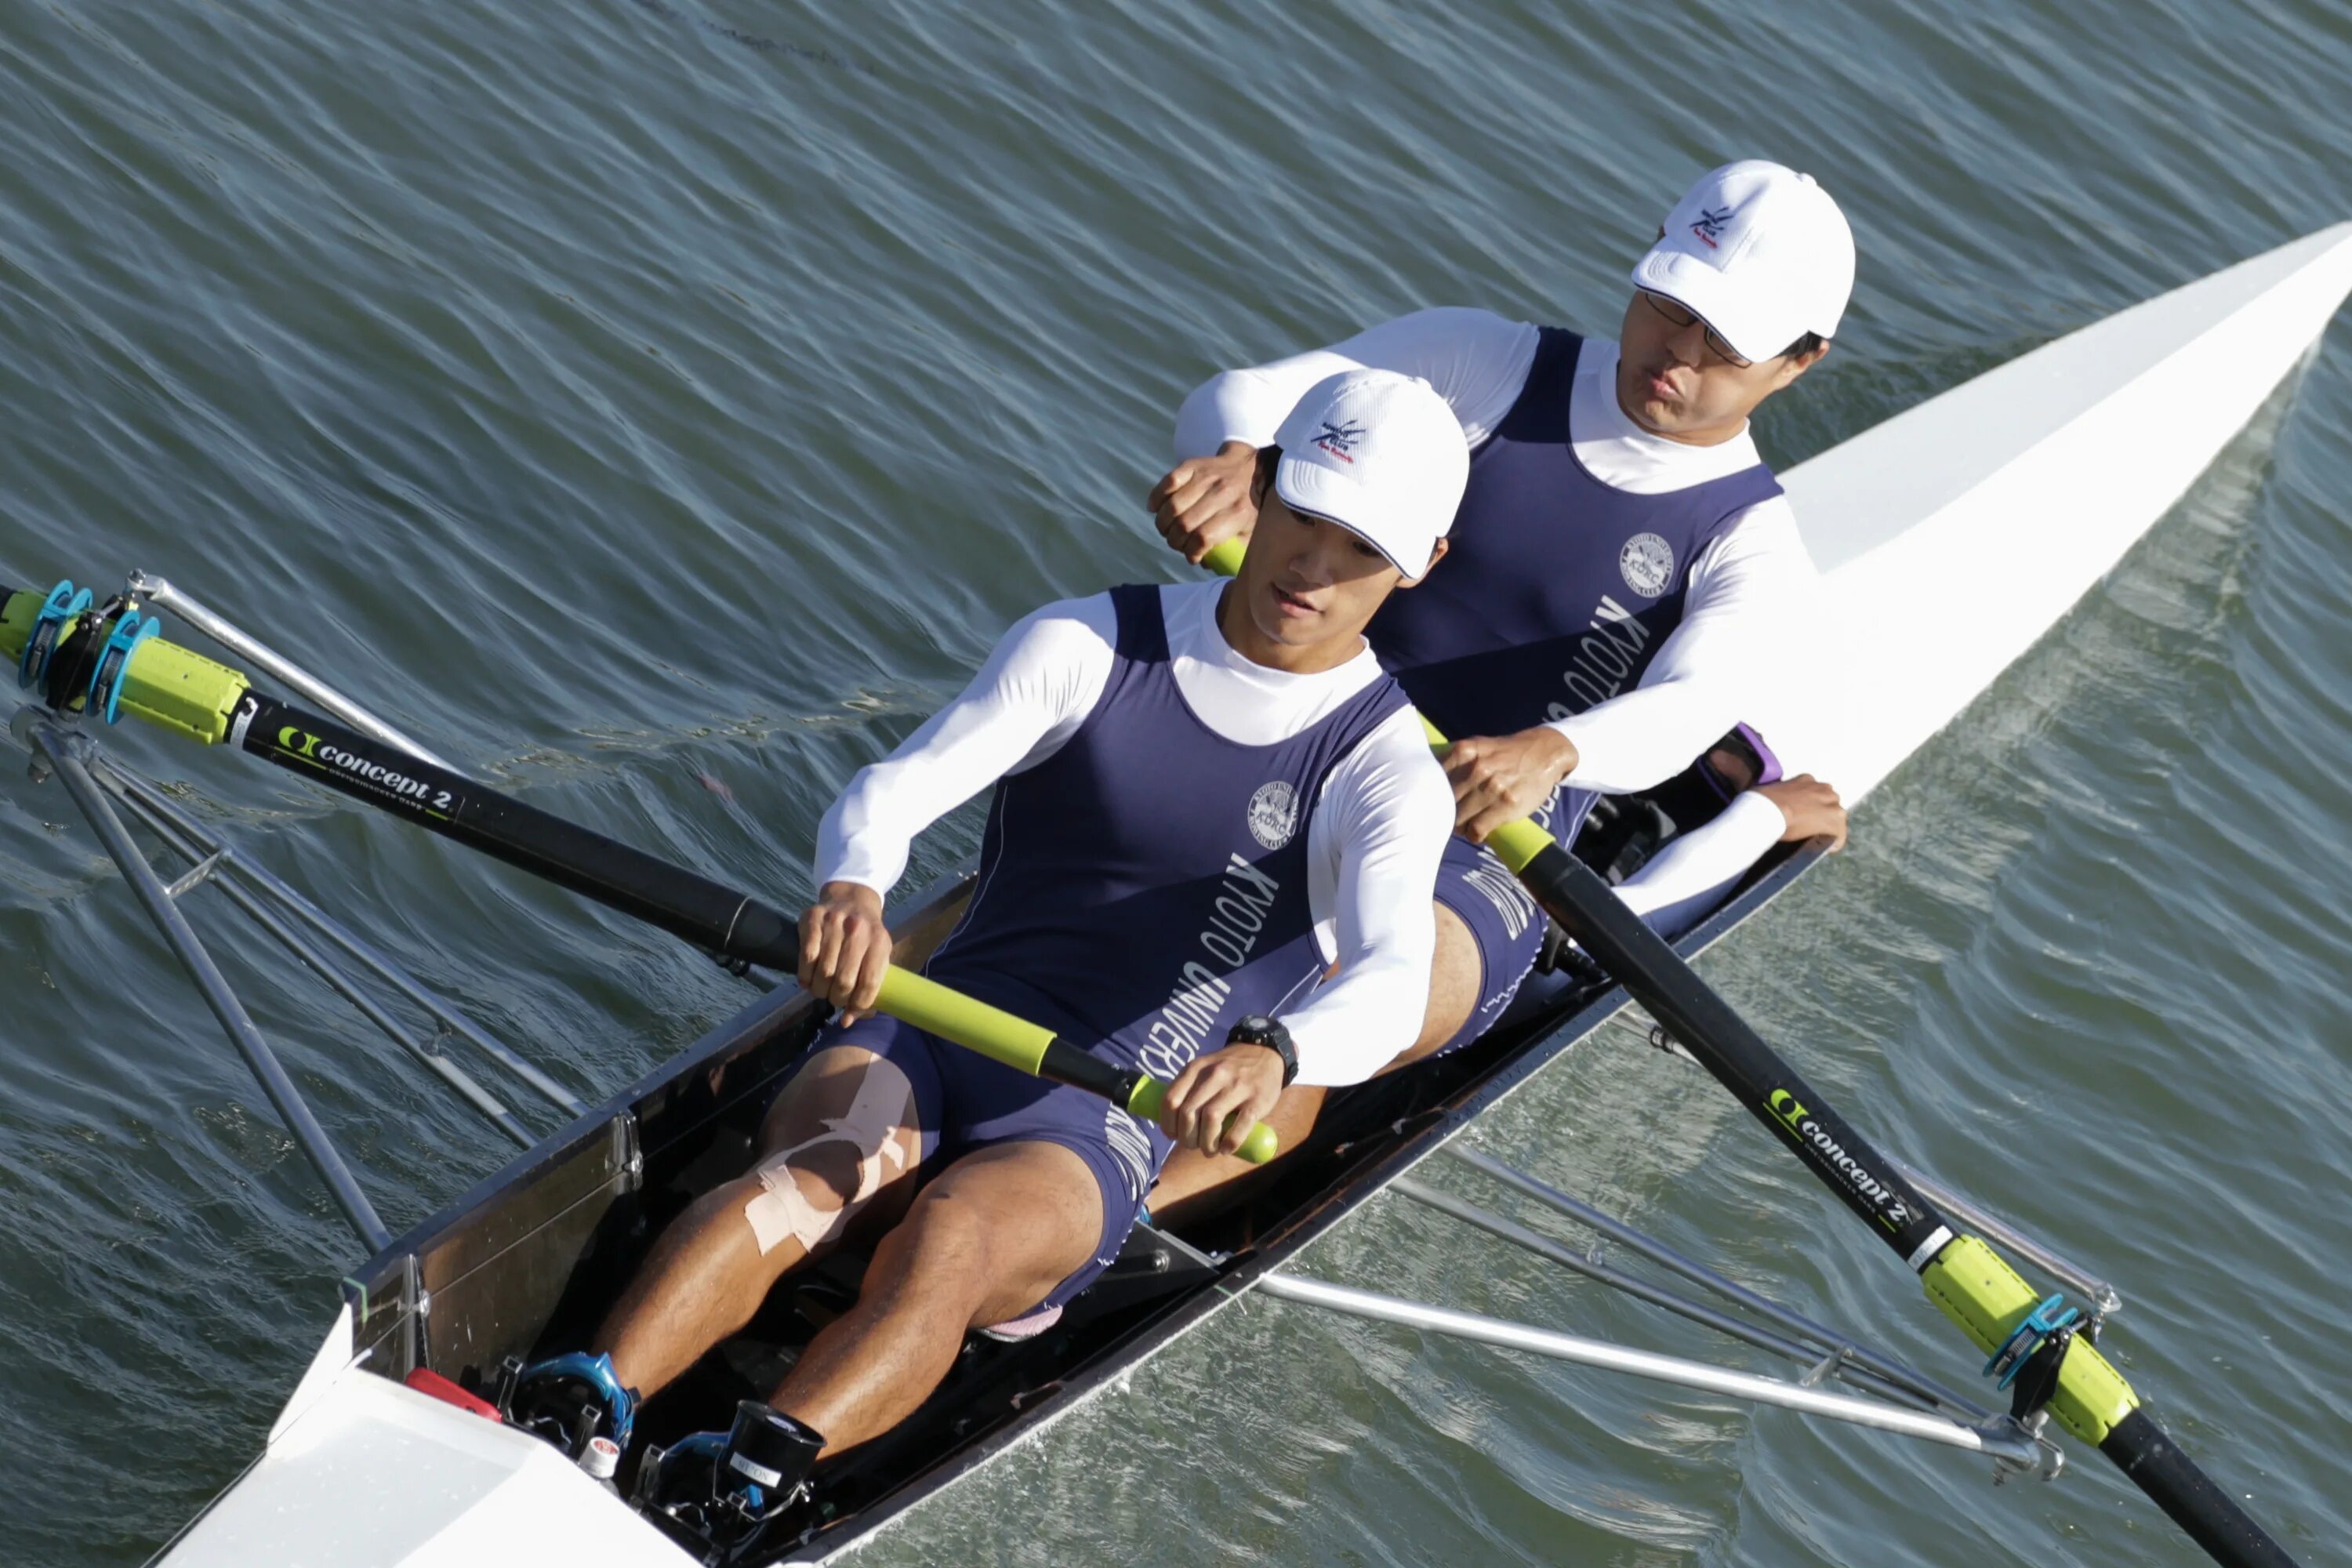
<point x="1749" y="597"/>
<point x="1373" y="841"/>
<point x="1695" y="870"/>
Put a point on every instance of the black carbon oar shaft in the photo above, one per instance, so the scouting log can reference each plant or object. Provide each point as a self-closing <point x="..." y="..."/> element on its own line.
<point x="729" y="923"/>
<point x="1655" y="976"/>
<point x="1714" y="1031"/>
<point x="2193" y="1500"/>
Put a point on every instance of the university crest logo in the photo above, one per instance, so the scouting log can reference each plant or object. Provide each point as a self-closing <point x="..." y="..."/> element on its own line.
<point x="1648" y="563"/>
<point x="1274" y="814"/>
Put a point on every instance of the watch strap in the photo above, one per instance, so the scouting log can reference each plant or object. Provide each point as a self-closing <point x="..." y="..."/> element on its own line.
<point x="1259" y="1030"/>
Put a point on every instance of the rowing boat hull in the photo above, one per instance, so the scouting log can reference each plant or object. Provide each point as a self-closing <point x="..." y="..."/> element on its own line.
<point x="1955" y="534"/>
<point x="2063" y="458"/>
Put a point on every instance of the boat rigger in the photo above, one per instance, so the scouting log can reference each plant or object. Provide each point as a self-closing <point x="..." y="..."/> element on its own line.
<point x="2166" y="357"/>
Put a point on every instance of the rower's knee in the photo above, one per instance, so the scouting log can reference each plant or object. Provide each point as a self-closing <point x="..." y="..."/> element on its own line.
<point x="842" y="1131"/>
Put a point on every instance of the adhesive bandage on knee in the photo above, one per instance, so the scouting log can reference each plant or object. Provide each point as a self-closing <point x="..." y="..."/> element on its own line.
<point x="871" y="1126"/>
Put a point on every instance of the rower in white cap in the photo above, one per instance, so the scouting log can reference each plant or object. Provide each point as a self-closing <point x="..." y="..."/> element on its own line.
<point x="1205" y="797"/>
<point x="1625" y="575"/>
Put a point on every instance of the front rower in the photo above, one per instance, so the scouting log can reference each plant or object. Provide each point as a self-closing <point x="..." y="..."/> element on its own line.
<point x="1205" y="797"/>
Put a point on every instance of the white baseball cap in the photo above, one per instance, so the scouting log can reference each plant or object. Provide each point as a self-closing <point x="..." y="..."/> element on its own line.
<point x="1760" y="251"/>
<point x="1379" y="454"/>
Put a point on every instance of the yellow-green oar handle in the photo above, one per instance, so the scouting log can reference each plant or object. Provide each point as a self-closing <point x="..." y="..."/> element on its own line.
<point x="948" y="1012"/>
<point x="997" y="1035"/>
<point x="1225" y="560"/>
<point x="1259" y="1144"/>
<point x="162" y="683"/>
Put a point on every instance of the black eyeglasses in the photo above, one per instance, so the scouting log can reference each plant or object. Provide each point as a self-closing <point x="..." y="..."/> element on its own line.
<point x="1681" y="315"/>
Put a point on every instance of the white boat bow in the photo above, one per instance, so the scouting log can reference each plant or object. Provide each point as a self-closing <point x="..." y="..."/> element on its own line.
<point x="363" y="1472"/>
<point x="1954" y="535"/>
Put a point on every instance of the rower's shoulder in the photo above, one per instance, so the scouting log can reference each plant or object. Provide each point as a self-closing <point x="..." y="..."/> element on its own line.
<point x="1436" y="336"/>
<point x="1392" y="766"/>
<point x="1758" y="545"/>
<point x="1765" y="525"/>
<point x="1078" y="629"/>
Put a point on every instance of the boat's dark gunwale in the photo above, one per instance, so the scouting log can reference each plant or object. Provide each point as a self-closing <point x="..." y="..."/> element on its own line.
<point x="1115" y="1360"/>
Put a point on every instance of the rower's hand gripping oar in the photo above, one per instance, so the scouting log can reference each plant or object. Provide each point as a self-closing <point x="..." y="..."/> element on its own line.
<point x="2031" y="1351"/>
<point x="173" y="689"/>
<point x="917" y="999"/>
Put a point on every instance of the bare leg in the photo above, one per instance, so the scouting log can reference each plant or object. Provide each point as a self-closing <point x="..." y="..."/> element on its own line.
<point x="1193" y="1186"/>
<point x="986" y="1241"/>
<point x="708" y="1273"/>
<point x="1454" y="982"/>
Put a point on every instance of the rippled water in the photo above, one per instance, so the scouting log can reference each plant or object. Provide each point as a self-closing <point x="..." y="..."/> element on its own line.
<point x="631" y="395"/>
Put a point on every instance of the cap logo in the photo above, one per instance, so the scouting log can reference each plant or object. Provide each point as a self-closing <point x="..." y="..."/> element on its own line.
<point x="1339" y="439"/>
<point x="1648" y="563"/>
<point x="1710" y="225"/>
<point x="1274" y="814"/>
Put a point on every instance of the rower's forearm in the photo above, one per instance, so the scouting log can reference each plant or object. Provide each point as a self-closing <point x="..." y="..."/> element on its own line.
<point x="1037" y="686"/>
<point x="867" y="834"/>
<point x="1644" y="738"/>
<point x="1358" y="1023"/>
<point x="1380" y="833"/>
<point x="1696" y="869"/>
<point x="851" y="849"/>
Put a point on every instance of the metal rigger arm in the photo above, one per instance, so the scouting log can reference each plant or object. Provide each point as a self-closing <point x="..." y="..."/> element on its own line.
<point x="46" y="658"/>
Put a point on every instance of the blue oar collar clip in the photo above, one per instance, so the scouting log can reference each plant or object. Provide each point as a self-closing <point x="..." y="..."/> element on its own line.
<point x="2040" y="1326"/>
<point x="131" y="629"/>
<point x="64" y="603"/>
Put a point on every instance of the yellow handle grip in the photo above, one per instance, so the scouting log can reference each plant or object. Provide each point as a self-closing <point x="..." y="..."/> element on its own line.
<point x="1258" y="1148"/>
<point x="1225" y="560"/>
<point x="999" y="1036"/>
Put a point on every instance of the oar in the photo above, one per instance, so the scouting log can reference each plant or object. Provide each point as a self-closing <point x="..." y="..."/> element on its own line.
<point x="1964" y="1277"/>
<point x="926" y="1004"/>
<point x="184" y="692"/>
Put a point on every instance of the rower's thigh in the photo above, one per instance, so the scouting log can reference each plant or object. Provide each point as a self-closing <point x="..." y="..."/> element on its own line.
<point x="998" y="1231"/>
<point x="1489" y="934"/>
<point x="1455" y="979"/>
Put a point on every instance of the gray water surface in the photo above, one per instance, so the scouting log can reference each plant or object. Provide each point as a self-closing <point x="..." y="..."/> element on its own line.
<point x="634" y="398"/>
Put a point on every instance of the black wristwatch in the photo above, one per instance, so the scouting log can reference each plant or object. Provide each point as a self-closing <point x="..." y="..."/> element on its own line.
<point x="1259" y="1030"/>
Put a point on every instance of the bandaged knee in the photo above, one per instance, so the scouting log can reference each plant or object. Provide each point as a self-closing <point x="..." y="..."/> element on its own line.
<point x="781" y="1210"/>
